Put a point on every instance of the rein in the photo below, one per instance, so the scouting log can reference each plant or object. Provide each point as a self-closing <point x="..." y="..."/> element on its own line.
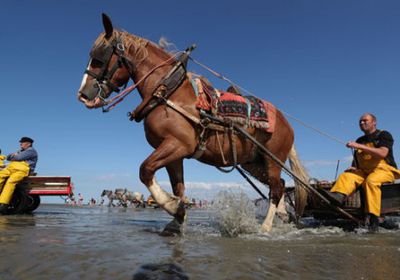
<point x="121" y="96"/>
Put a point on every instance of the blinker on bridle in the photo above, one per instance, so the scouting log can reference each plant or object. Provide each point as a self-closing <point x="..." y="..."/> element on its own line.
<point x="103" y="55"/>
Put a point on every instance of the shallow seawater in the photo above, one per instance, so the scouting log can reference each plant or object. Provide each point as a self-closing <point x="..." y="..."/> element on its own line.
<point x="67" y="242"/>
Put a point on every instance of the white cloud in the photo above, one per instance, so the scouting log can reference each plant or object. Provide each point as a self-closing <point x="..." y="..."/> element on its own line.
<point x="111" y="177"/>
<point x="210" y="189"/>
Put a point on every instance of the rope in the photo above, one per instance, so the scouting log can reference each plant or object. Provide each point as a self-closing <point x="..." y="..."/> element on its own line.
<point x="315" y="129"/>
<point x="248" y="92"/>
<point x="121" y="96"/>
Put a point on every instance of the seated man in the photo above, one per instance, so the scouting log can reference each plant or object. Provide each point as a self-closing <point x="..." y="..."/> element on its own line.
<point x="23" y="163"/>
<point x="372" y="166"/>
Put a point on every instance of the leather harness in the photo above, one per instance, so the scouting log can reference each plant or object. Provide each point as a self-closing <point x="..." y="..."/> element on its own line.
<point x="166" y="87"/>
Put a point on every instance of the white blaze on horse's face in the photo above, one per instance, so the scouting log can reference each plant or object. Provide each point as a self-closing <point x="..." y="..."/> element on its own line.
<point x="84" y="79"/>
<point x="90" y="90"/>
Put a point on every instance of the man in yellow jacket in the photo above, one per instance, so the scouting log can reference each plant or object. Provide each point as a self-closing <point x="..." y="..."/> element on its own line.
<point x="22" y="163"/>
<point x="372" y="166"/>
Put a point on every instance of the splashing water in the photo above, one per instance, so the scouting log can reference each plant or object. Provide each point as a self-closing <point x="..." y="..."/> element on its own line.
<point x="235" y="214"/>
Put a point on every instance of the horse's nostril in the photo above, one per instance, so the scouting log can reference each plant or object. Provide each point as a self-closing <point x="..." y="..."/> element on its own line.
<point x="82" y="96"/>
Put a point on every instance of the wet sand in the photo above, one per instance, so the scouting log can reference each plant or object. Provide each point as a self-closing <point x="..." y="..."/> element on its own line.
<point x="65" y="242"/>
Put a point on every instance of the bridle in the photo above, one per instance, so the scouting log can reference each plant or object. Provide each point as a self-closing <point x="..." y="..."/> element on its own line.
<point x="102" y="56"/>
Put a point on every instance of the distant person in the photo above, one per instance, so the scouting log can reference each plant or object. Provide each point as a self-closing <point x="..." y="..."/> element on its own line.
<point x="92" y="201"/>
<point x="72" y="199"/>
<point x="373" y="165"/>
<point x="2" y="159"/>
<point x="22" y="163"/>
<point x="80" y="199"/>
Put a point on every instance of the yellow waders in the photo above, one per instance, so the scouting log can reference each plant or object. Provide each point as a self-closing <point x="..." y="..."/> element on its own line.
<point x="2" y="159"/>
<point x="371" y="174"/>
<point x="14" y="173"/>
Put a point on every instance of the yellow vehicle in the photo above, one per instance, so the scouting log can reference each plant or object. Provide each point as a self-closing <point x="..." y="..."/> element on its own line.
<point x="150" y="202"/>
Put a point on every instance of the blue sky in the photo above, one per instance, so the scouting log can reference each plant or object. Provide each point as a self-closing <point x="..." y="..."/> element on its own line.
<point x="324" y="62"/>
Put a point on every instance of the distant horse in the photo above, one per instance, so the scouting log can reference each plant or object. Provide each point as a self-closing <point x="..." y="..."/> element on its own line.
<point x="110" y="195"/>
<point x="125" y="197"/>
<point x="119" y="195"/>
<point x="137" y="199"/>
<point x="171" y="121"/>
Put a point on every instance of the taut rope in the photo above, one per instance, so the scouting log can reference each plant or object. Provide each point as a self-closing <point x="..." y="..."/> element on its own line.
<point x="219" y="75"/>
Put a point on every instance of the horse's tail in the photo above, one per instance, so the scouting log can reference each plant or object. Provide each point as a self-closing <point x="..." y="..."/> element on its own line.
<point x="300" y="191"/>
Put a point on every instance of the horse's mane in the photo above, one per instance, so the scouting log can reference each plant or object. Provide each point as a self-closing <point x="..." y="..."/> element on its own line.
<point x="130" y="41"/>
<point x="165" y="44"/>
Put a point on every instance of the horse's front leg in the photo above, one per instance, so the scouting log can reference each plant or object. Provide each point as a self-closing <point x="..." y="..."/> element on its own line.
<point x="169" y="152"/>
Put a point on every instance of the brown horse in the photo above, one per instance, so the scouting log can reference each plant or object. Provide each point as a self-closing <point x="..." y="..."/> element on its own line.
<point x="172" y="126"/>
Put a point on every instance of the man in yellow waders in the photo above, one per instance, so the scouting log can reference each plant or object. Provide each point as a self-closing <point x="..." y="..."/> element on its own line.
<point x="372" y="166"/>
<point x="22" y="163"/>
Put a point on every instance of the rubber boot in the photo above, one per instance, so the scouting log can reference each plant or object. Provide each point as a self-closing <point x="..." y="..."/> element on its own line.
<point x="373" y="225"/>
<point x="335" y="198"/>
<point x="3" y="208"/>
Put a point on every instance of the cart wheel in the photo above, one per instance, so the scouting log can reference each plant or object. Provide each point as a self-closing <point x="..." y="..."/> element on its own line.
<point x="18" y="202"/>
<point x="33" y="202"/>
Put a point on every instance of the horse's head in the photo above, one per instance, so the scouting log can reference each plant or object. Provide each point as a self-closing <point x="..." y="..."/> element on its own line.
<point x="108" y="68"/>
<point x="105" y="192"/>
<point x="118" y="191"/>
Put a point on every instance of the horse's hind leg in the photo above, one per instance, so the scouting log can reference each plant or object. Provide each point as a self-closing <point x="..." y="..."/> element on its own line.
<point x="281" y="208"/>
<point x="269" y="173"/>
<point x="276" y="199"/>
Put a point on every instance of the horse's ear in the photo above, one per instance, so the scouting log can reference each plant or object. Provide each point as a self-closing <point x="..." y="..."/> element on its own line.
<point x="107" y="25"/>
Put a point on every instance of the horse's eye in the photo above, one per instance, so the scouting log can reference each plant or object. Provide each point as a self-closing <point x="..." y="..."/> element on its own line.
<point x="95" y="63"/>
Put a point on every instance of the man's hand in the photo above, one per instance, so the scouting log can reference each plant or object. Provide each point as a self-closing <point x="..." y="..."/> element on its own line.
<point x="380" y="152"/>
<point x="353" y="145"/>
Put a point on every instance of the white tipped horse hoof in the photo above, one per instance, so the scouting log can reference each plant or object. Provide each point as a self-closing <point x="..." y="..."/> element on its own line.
<point x="266" y="228"/>
<point x="172" y="205"/>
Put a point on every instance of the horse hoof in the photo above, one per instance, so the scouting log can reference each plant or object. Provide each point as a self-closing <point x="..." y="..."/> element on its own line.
<point x="181" y="215"/>
<point x="284" y="217"/>
<point x="173" y="228"/>
<point x="160" y="271"/>
<point x="266" y="228"/>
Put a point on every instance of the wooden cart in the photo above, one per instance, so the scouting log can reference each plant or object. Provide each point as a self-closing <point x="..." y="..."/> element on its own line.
<point x="354" y="204"/>
<point x="26" y="197"/>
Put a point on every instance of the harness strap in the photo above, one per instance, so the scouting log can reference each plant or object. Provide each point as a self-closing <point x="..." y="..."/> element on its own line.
<point x="121" y="96"/>
<point x="171" y="82"/>
<point x="167" y="86"/>
<point x="201" y="146"/>
<point x="220" y="148"/>
<point x="232" y="141"/>
<point x="205" y="123"/>
<point x="180" y="110"/>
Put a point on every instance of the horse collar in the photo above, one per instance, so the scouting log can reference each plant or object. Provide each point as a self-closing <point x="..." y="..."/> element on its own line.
<point x="166" y="87"/>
